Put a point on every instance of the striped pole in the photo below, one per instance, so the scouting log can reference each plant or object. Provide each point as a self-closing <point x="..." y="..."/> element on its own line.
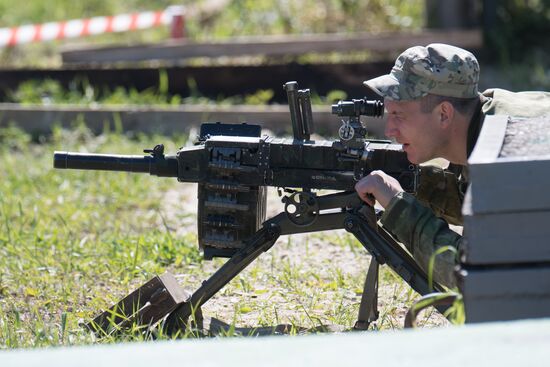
<point x="88" y="27"/>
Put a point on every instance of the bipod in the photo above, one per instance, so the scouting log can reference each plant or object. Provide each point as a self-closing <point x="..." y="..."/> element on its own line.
<point x="311" y="214"/>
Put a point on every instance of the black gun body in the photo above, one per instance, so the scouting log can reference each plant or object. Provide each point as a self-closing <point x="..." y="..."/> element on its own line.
<point x="294" y="163"/>
<point x="259" y="162"/>
<point x="108" y="162"/>
<point x="233" y="172"/>
<point x="318" y="165"/>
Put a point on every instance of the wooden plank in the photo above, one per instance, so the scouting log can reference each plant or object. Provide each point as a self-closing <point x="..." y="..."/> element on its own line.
<point x="498" y="294"/>
<point x="506" y="238"/>
<point x="274" y="46"/>
<point x="213" y="81"/>
<point x="169" y="120"/>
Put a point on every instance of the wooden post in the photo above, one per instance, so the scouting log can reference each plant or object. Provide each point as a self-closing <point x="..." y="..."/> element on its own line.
<point x="177" y="23"/>
<point x="452" y="14"/>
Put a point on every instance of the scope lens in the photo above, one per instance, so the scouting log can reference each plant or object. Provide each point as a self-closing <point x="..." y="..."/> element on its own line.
<point x="357" y="107"/>
<point x="374" y="108"/>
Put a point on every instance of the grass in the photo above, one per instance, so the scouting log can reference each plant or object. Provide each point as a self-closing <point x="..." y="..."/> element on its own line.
<point x="66" y="235"/>
<point x="80" y="92"/>
<point x="74" y="242"/>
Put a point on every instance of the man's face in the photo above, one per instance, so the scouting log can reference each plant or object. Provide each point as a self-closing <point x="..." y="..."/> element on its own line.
<point x="417" y="131"/>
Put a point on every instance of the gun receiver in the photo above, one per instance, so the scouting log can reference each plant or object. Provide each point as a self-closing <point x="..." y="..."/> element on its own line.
<point x="233" y="164"/>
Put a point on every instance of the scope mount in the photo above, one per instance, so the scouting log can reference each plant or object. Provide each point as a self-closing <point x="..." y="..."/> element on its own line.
<point x="352" y="133"/>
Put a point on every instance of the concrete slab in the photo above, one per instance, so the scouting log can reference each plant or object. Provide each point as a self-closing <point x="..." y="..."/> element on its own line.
<point x="510" y="185"/>
<point x="524" y="343"/>
<point x="506" y="238"/>
<point x="507" y="184"/>
<point x="506" y="293"/>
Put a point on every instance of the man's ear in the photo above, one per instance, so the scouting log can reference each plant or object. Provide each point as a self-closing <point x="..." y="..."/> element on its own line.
<point x="446" y="114"/>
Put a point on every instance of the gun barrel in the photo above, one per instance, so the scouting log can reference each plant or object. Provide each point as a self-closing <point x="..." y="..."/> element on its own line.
<point x="165" y="166"/>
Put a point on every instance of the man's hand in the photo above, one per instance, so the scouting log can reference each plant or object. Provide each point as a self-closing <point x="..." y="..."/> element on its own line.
<point x="380" y="185"/>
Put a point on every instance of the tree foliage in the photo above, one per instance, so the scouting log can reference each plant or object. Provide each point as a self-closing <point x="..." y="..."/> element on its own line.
<point x="520" y="32"/>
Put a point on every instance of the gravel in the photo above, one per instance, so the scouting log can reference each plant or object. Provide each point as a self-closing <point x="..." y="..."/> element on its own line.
<point x="527" y="137"/>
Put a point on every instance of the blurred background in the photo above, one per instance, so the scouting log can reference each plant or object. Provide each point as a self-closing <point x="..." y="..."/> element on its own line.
<point x="515" y="30"/>
<point x="239" y="52"/>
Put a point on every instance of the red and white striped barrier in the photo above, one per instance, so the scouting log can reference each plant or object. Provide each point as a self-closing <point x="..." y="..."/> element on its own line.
<point x="87" y="27"/>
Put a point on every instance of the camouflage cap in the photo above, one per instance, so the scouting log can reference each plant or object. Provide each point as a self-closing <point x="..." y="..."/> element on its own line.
<point x="438" y="69"/>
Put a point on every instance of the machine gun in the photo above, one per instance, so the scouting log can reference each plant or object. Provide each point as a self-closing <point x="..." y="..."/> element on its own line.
<point x="233" y="164"/>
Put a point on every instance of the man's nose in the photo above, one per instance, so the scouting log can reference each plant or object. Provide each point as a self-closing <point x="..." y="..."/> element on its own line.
<point x="390" y="130"/>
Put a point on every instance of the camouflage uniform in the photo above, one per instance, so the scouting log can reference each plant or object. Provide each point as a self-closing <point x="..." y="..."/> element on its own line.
<point x="421" y="222"/>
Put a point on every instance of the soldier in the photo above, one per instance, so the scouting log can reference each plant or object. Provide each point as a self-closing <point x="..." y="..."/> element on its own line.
<point x="435" y="110"/>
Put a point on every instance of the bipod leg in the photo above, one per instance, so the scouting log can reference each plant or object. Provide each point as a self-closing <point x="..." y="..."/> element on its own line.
<point x="368" y="309"/>
<point x="385" y="250"/>
<point x="260" y="242"/>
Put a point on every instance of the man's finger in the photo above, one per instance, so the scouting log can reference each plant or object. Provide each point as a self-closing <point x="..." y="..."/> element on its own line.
<point x="370" y="199"/>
